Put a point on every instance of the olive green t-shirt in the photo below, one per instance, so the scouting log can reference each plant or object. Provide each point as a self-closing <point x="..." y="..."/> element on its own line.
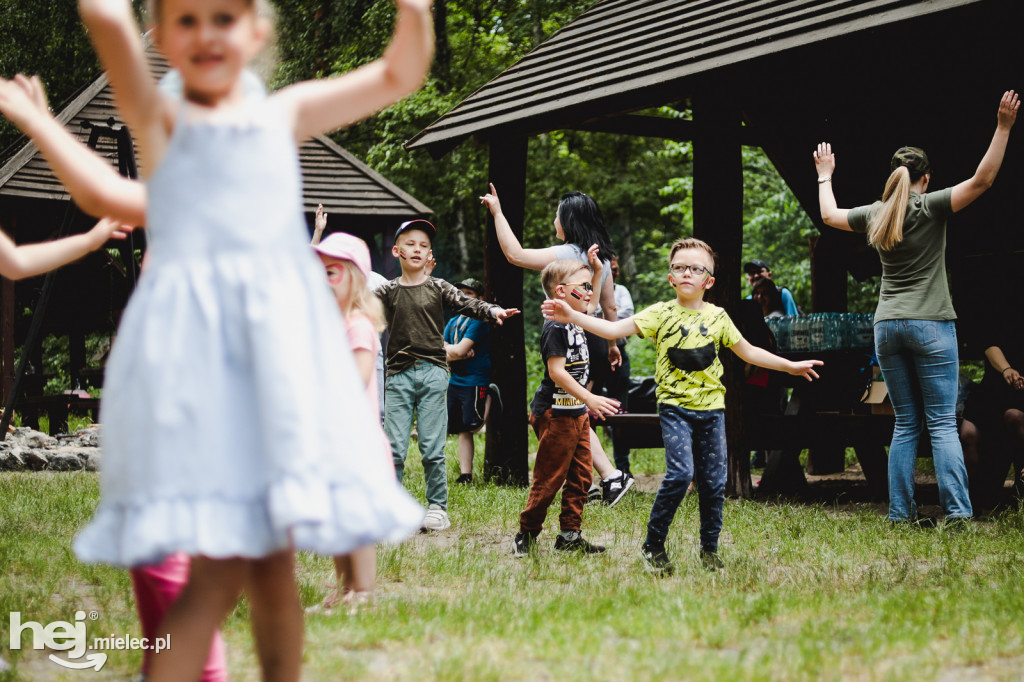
<point x="914" y="272"/>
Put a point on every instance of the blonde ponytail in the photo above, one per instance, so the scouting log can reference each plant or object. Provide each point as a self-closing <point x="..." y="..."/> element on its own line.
<point x="887" y="224"/>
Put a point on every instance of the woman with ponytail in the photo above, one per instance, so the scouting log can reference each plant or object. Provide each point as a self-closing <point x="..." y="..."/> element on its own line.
<point x="915" y="334"/>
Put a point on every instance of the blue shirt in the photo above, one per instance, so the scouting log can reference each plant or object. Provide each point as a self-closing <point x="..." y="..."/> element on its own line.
<point x="476" y="371"/>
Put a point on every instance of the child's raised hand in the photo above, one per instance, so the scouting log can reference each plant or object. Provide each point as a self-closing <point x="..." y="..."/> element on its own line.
<point x="593" y="258"/>
<point x="491" y="201"/>
<point x="824" y="159"/>
<point x="415" y="5"/>
<point x="23" y="99"/>
<point x="601" y="406"/>
<point x="557" y="310"/>
<point x="805" y="369"/>
<point x="502" y="314"/>
<point x="1008" y="106"/>
<point x="320" y="221"/>
<point x="106" y="229"/>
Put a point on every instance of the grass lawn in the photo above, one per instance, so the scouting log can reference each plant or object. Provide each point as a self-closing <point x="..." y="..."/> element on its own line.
<point x="810" y="592"/>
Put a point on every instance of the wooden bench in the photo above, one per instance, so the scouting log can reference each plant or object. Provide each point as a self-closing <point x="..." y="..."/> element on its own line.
<point x="868" y="434"/>
<point x="57" y="407"/>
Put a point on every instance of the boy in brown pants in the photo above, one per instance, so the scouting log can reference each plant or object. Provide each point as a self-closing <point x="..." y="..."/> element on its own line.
<point x="559" y="417"/>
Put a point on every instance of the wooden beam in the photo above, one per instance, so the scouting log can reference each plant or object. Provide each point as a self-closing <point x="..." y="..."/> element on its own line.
<point x="678" y="129"/>
<point x="718" y="220"/>
<point x="505" y="458"/>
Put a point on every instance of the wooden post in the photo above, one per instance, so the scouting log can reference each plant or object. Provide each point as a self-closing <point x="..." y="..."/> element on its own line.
<point x="7" y="333"/>
<point x="505" y="458"/>
<point x="718" y="220"/>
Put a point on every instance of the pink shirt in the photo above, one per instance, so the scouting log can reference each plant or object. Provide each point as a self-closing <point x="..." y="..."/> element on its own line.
<point x="362" y="336"/>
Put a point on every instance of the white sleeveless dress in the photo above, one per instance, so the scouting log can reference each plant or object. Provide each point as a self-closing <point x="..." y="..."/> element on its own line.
<point x="234" y="421"/>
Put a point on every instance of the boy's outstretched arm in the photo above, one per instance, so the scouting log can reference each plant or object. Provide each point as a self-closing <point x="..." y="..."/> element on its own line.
<point x="319" y="106"/>
<point x="18" y="262"/>
<point x="95" y="185"/>
<point x="598" y="404"/>
<point x="762" y="358"/>
<point x="559" y="311"/>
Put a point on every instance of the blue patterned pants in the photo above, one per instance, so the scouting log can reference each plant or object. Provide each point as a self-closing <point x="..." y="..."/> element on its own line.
<point x="694" y="444"/>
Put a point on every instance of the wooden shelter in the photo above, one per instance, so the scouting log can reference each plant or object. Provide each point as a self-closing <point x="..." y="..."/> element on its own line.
<point x="89" y="295"/>
<point x="867" y="75"/>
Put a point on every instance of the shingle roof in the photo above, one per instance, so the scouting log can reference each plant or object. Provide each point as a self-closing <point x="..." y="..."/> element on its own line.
<point x="331" y="175"/>
<point x="627" y="47"/>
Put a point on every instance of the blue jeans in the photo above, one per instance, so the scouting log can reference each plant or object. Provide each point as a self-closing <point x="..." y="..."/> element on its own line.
<point x="693" y="439"/>
<point x="423" y="389"/>
<point x="921" y="368"/>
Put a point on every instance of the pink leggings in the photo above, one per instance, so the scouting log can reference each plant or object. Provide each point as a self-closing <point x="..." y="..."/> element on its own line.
<point x="156" y="588"/>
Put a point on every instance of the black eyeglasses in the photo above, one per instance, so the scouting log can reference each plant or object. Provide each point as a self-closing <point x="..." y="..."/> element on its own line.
<point x="697" y="270"/>
<point x="587" y="286"/>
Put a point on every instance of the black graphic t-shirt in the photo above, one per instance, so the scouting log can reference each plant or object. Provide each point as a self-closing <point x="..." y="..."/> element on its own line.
<point x="688" y="371"/>
<point x="567" y="341"/>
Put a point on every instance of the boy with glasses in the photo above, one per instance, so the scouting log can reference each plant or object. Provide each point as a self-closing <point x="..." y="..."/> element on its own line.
<point x="689" y="334"/>
<point x="558" y="414"/>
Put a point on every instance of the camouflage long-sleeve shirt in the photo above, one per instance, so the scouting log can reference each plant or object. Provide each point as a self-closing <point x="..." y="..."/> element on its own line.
<point x="415" y="318"/>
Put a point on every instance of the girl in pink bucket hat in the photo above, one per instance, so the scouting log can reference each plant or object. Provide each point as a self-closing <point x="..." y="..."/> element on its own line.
<point x="347" y="261"/>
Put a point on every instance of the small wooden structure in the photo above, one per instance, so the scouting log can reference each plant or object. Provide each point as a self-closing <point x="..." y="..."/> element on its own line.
<point x="867" y="75"/>
<point x="90" y="294"/>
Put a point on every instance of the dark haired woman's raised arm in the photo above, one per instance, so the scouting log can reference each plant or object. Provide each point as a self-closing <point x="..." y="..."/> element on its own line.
<point x="531" y="259"/>
<point x="972" y="188"/>
<point x="825" y="164"/>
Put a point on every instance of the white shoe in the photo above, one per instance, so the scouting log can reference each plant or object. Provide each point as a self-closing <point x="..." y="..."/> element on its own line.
<point x="436" y="518"/>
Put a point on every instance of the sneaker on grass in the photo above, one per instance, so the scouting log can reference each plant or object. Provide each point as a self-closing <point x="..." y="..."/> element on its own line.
<point x="572" y="541"/>
<point x="613" y="489"/>
<point x="436" y="518"/>
<point x="464" y="479"/>
<point x="594" y="493"/>
<point x="711" y="561"/>
<point x="524" y="544"/>
<point x="656" y="559"/>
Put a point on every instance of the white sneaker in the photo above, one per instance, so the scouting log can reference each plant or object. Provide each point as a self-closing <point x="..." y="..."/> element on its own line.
<point x="436" y="518"/>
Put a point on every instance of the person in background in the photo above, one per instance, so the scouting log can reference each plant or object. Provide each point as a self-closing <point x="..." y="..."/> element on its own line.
<point x="915" y="330"/>
<point x="468" y="348"/>
<point x="757" y="270"/>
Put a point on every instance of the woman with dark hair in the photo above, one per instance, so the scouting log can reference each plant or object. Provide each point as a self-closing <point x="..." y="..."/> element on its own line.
<point x="580" y="225"/>
<point x="769" y="297"/>
<point x="915" y="335"/>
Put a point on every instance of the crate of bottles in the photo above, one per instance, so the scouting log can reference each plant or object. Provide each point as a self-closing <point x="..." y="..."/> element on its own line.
<point x="823" y="331"/>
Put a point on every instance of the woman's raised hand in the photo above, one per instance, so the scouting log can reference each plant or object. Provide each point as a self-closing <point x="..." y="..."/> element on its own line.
<point x="490" y="200"/>
<point x="1008" y="106"/>
<point x="824" y="159"/>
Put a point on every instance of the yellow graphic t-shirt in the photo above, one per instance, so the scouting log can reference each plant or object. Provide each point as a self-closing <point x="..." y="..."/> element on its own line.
<point x="688" y="372"/>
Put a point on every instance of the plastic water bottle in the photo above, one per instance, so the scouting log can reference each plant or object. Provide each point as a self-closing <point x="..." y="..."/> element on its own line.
<point x="800" y="335"/>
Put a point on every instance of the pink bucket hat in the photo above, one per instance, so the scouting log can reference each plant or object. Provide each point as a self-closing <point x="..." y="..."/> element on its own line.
<point x="344" y="246"/>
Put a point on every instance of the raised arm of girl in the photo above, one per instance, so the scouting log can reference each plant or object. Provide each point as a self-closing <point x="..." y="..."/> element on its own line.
<point x="972" y="188"/>
<point x="825" y="164"/>
<point x="116" y="37"/>
<point x="319" y="106"/>
<point x="95" y="186"/>
<point x="18" y="262"/>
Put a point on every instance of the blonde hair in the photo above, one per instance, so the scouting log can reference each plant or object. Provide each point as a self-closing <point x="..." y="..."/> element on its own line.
<point x="556" y="272"/>
<point x="361" y="299"/>
<point x="694" y="243"/>
<point x="886" y="229"/>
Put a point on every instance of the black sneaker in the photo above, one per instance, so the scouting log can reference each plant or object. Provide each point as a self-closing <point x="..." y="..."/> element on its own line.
<point x="572" y="541"/>
<point x="960" y="524"/>
<point x="496" y="402"/>
<point x="524" y="544"/>
<point x="594" y="493"/>
<point x="711" y="561"/>
<point x="656" y="559"/>
<point x="613" y="489"/>
<point x="464" y="478"/>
